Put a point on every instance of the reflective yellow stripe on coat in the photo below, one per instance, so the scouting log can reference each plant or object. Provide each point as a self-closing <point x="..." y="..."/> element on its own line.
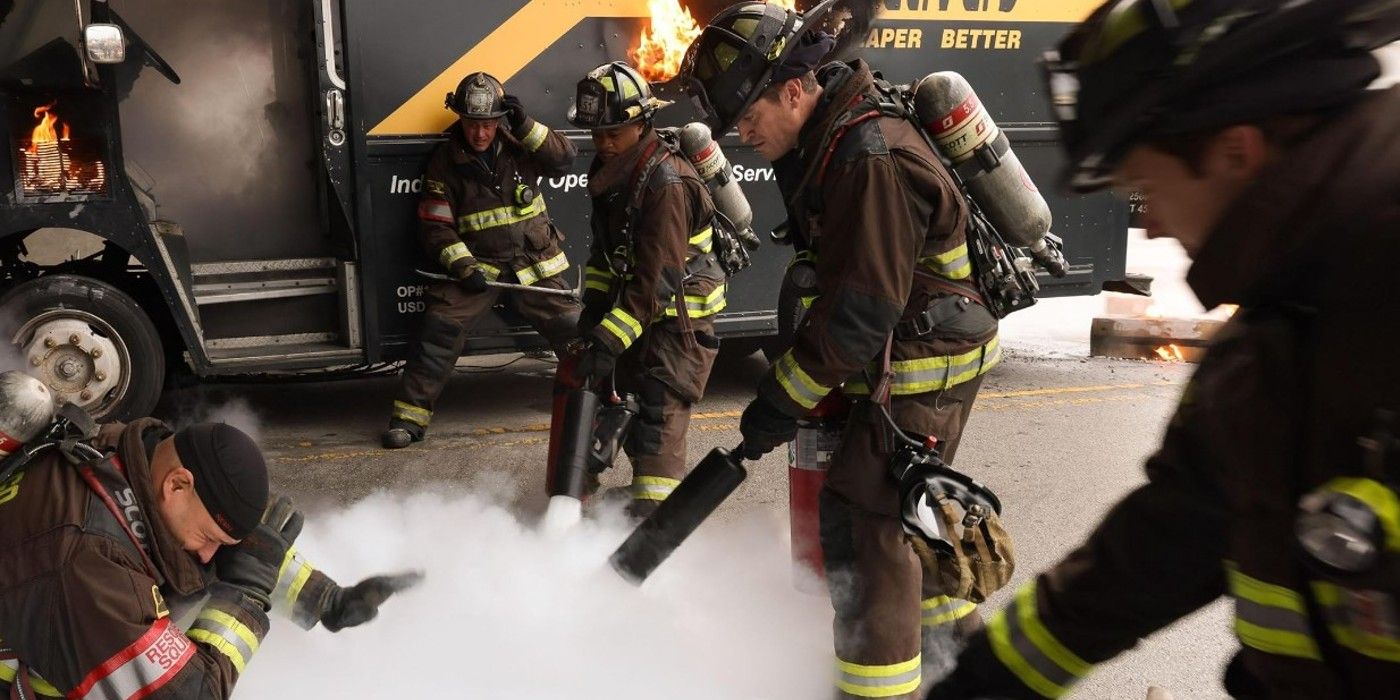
<point x="1025" y="647"/>
<point x="1271" y="618"/>
<point x="623" y="326"/>
<point x="500" y="216"/>
<point x="927" y="374"/>
<point x="543" y="269"/>
<point x="799" y="386"/>
<point x="887" y="681"/>
<point x="697" y="306"/>
<point x="954" y="264"/>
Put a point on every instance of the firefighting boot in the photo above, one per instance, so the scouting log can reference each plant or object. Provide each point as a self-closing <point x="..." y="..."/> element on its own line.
<point x="401" y="434"/>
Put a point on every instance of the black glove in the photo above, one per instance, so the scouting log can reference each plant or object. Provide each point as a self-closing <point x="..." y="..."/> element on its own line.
<point x="252" y="564"/>
<point x="596" y="361"/>
<point x="475" y="281"/>
<point x="764" y="428"/>
<point x="349" y="607"/>
<point x="515" y="112"/>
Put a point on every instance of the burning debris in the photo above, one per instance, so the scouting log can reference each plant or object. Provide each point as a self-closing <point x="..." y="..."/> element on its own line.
<point x="52" y="163"/>
<point x="662" y="46"/>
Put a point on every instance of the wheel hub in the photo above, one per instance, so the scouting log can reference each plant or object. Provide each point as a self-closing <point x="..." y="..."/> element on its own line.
<point x="78" y="363"/>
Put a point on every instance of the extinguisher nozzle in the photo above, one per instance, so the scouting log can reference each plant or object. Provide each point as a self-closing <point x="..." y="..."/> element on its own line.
<point x="693" y="501"/>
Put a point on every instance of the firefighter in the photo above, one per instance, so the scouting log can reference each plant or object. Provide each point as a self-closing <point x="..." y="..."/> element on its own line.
<point x="873" y="209"/>
<point x="483" y="219"/>
<point x="98" y="554"/>
<point x="652" y="283"/>
<point x="1265" y="143"/>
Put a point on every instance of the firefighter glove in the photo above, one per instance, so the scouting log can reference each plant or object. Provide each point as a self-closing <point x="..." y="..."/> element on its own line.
<point x="764" y="427"/>
<point x="253" y="564"/>
<point x="596" y="361"/>
<point x="474" y="281"/>
<point x="515" y="112"/>
<point x="349" y="607"/>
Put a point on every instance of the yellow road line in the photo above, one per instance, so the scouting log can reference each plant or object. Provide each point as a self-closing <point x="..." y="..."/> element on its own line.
<point x="988" y="401"/>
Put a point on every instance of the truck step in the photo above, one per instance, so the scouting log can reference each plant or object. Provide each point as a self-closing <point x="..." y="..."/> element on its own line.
<point x="278" y="352"/>
<point x="256" y="280"/>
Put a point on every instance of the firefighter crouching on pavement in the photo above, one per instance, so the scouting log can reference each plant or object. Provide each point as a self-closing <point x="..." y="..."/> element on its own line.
<point x="97" y="558"/>
<point x="873" y="209"/>
<point x="652" y="284"/>
<point x="482" y="219"/>
<point x="1261" y="149"/>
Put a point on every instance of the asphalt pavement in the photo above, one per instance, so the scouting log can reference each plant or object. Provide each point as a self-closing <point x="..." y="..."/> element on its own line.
<point x="1060" y="439"/>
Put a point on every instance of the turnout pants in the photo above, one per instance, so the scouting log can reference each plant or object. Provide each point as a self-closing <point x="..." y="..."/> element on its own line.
<point x="668" y="377"/>
<point x="451" y="312"/>
<point x="895" y="630"/>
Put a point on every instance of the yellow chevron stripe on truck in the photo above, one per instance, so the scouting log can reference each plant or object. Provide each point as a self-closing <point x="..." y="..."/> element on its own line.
<point x="539" y="23"/>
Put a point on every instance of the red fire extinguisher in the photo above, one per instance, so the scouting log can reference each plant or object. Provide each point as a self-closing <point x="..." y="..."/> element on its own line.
<point x="809" y="457"/>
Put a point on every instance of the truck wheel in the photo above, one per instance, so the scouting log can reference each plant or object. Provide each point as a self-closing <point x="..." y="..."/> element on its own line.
<point x="89" y="342"/>
<point x="790" y="313"/>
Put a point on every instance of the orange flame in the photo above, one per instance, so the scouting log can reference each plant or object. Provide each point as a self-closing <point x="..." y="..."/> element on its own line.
<point x="1171" y="353"/>
<point x="45" y="131"/>
<point x="662" y="48"/>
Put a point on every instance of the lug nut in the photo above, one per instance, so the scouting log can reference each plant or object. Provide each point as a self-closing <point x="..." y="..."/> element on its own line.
<point x="85" y="395"/>
<point x="97" y="352"/>
<point x="74" y="339"/>
<point x="36" y="360"/>
<point x="48" y="342"/>
<point x="101" y="376"/>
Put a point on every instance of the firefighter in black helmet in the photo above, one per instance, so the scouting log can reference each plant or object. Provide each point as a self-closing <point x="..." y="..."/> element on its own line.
<point x="482" y="219"/>
<point x="653" y="284"/>
<point x="1263" y="134"/>
<point x="873" y="208"/>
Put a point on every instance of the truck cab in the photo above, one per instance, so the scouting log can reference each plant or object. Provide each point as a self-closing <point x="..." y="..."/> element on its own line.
<point x="223" y="189"/>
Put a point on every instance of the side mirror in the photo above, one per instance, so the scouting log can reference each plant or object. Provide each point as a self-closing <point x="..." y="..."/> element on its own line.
<point x="105" y="43"/>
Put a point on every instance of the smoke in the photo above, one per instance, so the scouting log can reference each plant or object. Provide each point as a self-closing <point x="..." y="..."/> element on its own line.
<point x="508" y="612"/>
<point x="858" y="14"/>
<point x="237" y="412"/>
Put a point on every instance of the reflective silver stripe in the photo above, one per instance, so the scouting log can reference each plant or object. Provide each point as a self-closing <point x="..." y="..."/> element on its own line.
<point x="653" y="488"/>
<point x="927" y="374"/>
<point x="598" y="279"/>
<point x="1021" y="642"/>
<point x="142" y="667"/>
<point x="705" y="240"/>
<point x="543" y="269"/>
<point x="622" y="325"/>
<point x="491" y="272"/>
<point x="287" y="596"/>
<point x="500" y="216"/>
<point x="1269" y="617"/>
<point x="699" y="307"/>
<point x="944" y="610"/>
<point x="452" y="253"/>
<point x="535" y="138"/>
<point x="413" y="414"/>
<point x="800" y="387"/>
<point x="226" y="634"/>
<point x="953" y="264"/>
<point x="884" y="681"/>
<point x="435" y="210"/>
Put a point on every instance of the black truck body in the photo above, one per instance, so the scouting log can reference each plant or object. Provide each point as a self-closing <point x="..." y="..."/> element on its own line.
<point x="247" y="178"/>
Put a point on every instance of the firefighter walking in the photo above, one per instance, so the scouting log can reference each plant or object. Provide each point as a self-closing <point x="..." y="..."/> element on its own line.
<point x="652" y="282"/>
<point x="1266" y="144"/>
<point x="482" y="219"/>
<point x="882" y="221"/>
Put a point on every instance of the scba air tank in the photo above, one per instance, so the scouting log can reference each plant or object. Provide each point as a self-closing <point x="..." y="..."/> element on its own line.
<point x="704" y="152"/>
<point x="965" y="133"/>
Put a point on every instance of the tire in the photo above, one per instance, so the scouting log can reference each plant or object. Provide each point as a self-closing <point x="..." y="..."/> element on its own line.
<point x="790" y="313"/>
<point x="116" y="368"/>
